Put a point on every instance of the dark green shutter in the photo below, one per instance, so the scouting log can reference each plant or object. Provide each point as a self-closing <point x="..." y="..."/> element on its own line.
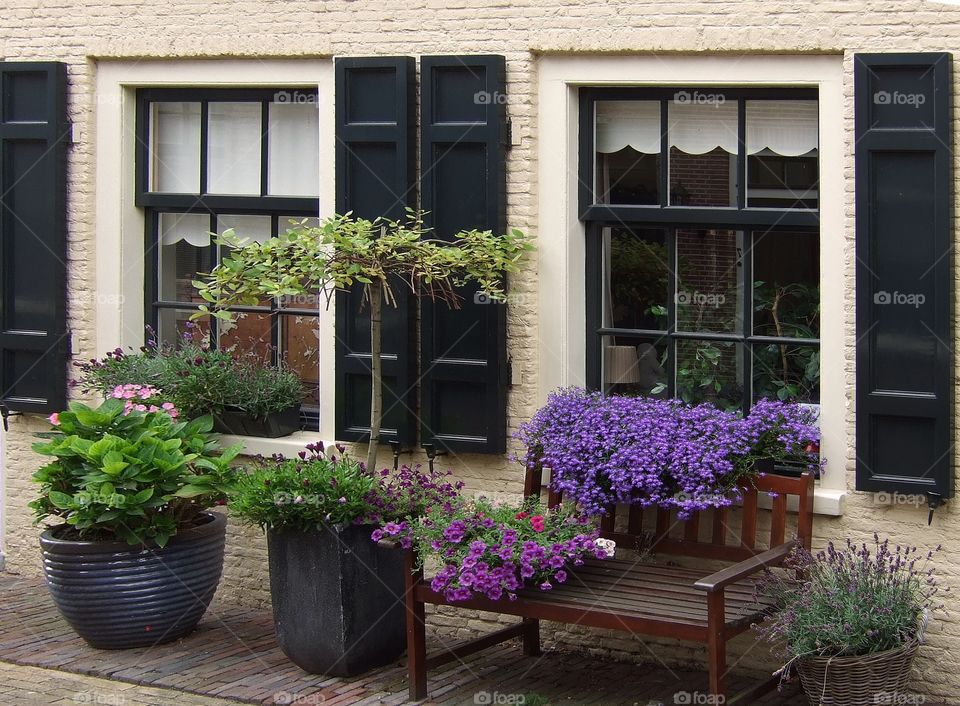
<point x="375" y="163"/>
<point x="904" y="241"/>
<point x="463" y="352"/>
<point x="34" y="133"/>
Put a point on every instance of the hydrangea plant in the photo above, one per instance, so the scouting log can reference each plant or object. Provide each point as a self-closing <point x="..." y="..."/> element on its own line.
<point x="604" y="450"/>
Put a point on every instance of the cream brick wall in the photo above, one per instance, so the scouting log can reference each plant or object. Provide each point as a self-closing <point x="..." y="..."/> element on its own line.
<point x="84" y="33"/>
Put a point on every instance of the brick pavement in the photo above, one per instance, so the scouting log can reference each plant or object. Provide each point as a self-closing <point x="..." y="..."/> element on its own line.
<point x="232" y="657"/>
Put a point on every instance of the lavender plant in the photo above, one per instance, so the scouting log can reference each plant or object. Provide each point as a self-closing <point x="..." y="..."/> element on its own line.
<point x="494" y="550"/>
<point x="604" y="450"/>
<point x="855" y="600"/>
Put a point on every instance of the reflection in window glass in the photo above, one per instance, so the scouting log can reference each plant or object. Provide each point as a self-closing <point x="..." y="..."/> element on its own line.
<point x="709" y="288"/>
<point x="636" y="269"/>
<point x="300" y="350"/>
<point x="782" y="371"/>
<point x="709" y="371"/>
<point x="246" y="334"/>
<point x="184" y="252"/>
<point x="633" y="366"/>
<point x="176" y="327"/>
<point x="786" y="284"/>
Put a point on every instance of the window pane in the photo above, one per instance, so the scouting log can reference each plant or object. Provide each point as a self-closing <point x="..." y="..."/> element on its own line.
<point x="782" y="142"/>
<point x="636" y="278"/>
<point x="175" y="141"/>
<point x="294" y="149"/>
<point x="285" y="223"/>
<point x="233" y="148"/>
<point x="633" y="366"/>
<point x="709" y="371"/>
<point x="786" y="372"/>
<point x="250" y="227"/>
<point x="786" y="284"/>
<point x="247" y="333"/>
<point x="709" y="283"/>
<point x="628" y="145"/>
<point x="300" y="344"/>
<point x="702" y="134"/>
<point x="184" y="252"/>
<point x="176" y="327"/>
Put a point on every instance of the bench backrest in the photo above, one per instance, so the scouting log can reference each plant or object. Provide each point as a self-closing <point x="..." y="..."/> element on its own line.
<point x="711" y="533"/>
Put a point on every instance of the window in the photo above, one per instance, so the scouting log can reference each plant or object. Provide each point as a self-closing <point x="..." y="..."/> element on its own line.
<point x="703" y="249"/>
<point x="213" y="159"/>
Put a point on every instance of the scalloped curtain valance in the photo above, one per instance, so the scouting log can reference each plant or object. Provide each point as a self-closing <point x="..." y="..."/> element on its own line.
<point x="787" y="128"/>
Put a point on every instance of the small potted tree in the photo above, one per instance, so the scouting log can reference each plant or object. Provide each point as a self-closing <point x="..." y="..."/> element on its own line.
<point x="137" y="558"/>
<point x="343" y="251"/>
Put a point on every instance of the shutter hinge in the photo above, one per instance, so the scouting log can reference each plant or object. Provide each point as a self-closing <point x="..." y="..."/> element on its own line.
<point x="509" y="370"/>
<point x="934" y="500"/>
<point x="507" y="137"/>
<point x="6" y="414"/>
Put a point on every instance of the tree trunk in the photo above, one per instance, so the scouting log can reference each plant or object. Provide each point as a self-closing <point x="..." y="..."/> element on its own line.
<point x="376" y="375"/>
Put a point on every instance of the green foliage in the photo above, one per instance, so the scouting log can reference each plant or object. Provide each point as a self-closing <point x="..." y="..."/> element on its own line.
<point x="344" y="250"/>
<point x="303" y="494"/>
<point x="139" y="477"/>
<point x="197" y="379"/>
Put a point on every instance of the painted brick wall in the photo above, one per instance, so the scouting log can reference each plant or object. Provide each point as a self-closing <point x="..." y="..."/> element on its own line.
<point x="83" y="32"/>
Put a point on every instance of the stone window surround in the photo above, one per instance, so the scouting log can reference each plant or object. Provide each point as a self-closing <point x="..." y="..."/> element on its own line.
<point x="120" y="224"/>
<point x="561" y="235"/>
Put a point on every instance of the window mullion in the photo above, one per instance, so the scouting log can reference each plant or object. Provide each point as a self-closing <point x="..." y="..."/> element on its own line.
<point x="664" y="154"/>
<point x="741" y="154"/>
<point x="672" y="313"/>
<point x="264" y="145"/>
<point x="204" y="136"/>
<point x="746" y="271"/>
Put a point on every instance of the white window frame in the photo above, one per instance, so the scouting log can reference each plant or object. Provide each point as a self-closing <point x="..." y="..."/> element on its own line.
<point x="120" y="224"/>
<point x="561" y="235"/>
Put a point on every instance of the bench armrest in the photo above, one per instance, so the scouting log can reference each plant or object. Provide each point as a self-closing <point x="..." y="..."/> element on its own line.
<point x="740" y="570"/>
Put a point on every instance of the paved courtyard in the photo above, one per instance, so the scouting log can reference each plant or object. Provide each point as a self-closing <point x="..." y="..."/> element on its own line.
<point x="233" y="658"/>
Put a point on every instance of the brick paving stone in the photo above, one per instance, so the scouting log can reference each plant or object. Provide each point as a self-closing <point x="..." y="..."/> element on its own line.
<point x="233" y="658"/>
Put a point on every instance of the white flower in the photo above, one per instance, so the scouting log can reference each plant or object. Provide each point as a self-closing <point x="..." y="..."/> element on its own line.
<point x="607" y="545"/>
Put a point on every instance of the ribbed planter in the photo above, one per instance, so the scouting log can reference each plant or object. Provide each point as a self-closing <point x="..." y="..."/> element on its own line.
<point x="337" y="599"/>
<point x="117" y="596"/>
<point x="858" y="681"/>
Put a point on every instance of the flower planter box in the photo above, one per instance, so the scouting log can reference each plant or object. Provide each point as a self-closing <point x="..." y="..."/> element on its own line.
<point x="237" y="422"/>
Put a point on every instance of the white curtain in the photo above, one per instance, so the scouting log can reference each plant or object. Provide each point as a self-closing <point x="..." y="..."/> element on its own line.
<point x="175" y="168"/>
<point x="293" y="167"/>
<point x="193" y="228"/>
<point x="250" y="227"/>
<point x="787" y="128"/>
<point x="233" y="148"/>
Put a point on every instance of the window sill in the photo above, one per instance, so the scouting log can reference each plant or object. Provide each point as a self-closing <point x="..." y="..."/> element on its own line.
<point x="826" y="501"/>
<point x="285" y="445"/>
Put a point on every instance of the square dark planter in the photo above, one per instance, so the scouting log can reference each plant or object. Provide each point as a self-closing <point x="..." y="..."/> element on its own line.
<point x="338" y="599"/>
<point x="234" y="421"/>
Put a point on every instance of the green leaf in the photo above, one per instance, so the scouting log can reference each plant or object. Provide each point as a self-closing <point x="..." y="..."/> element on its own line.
<point x="60" y="500"/>
<point x="192" y="491"/>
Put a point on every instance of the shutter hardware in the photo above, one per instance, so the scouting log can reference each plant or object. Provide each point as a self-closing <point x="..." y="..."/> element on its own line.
<point x="934" y="500"/>
<point x="6" y="414"/>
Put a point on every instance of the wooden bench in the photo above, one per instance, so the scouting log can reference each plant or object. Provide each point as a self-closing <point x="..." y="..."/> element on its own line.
<point x="639" y="596"/>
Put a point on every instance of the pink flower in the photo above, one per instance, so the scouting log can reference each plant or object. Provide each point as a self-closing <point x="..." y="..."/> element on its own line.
<point x="54" y="419"/>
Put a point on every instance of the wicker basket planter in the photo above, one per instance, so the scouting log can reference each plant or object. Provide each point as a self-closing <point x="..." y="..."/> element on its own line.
<point x="857" y="681"/>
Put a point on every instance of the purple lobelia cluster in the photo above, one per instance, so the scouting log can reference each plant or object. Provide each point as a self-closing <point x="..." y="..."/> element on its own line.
<point x="490" y="550"/>
<point x="608" y="449"/>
